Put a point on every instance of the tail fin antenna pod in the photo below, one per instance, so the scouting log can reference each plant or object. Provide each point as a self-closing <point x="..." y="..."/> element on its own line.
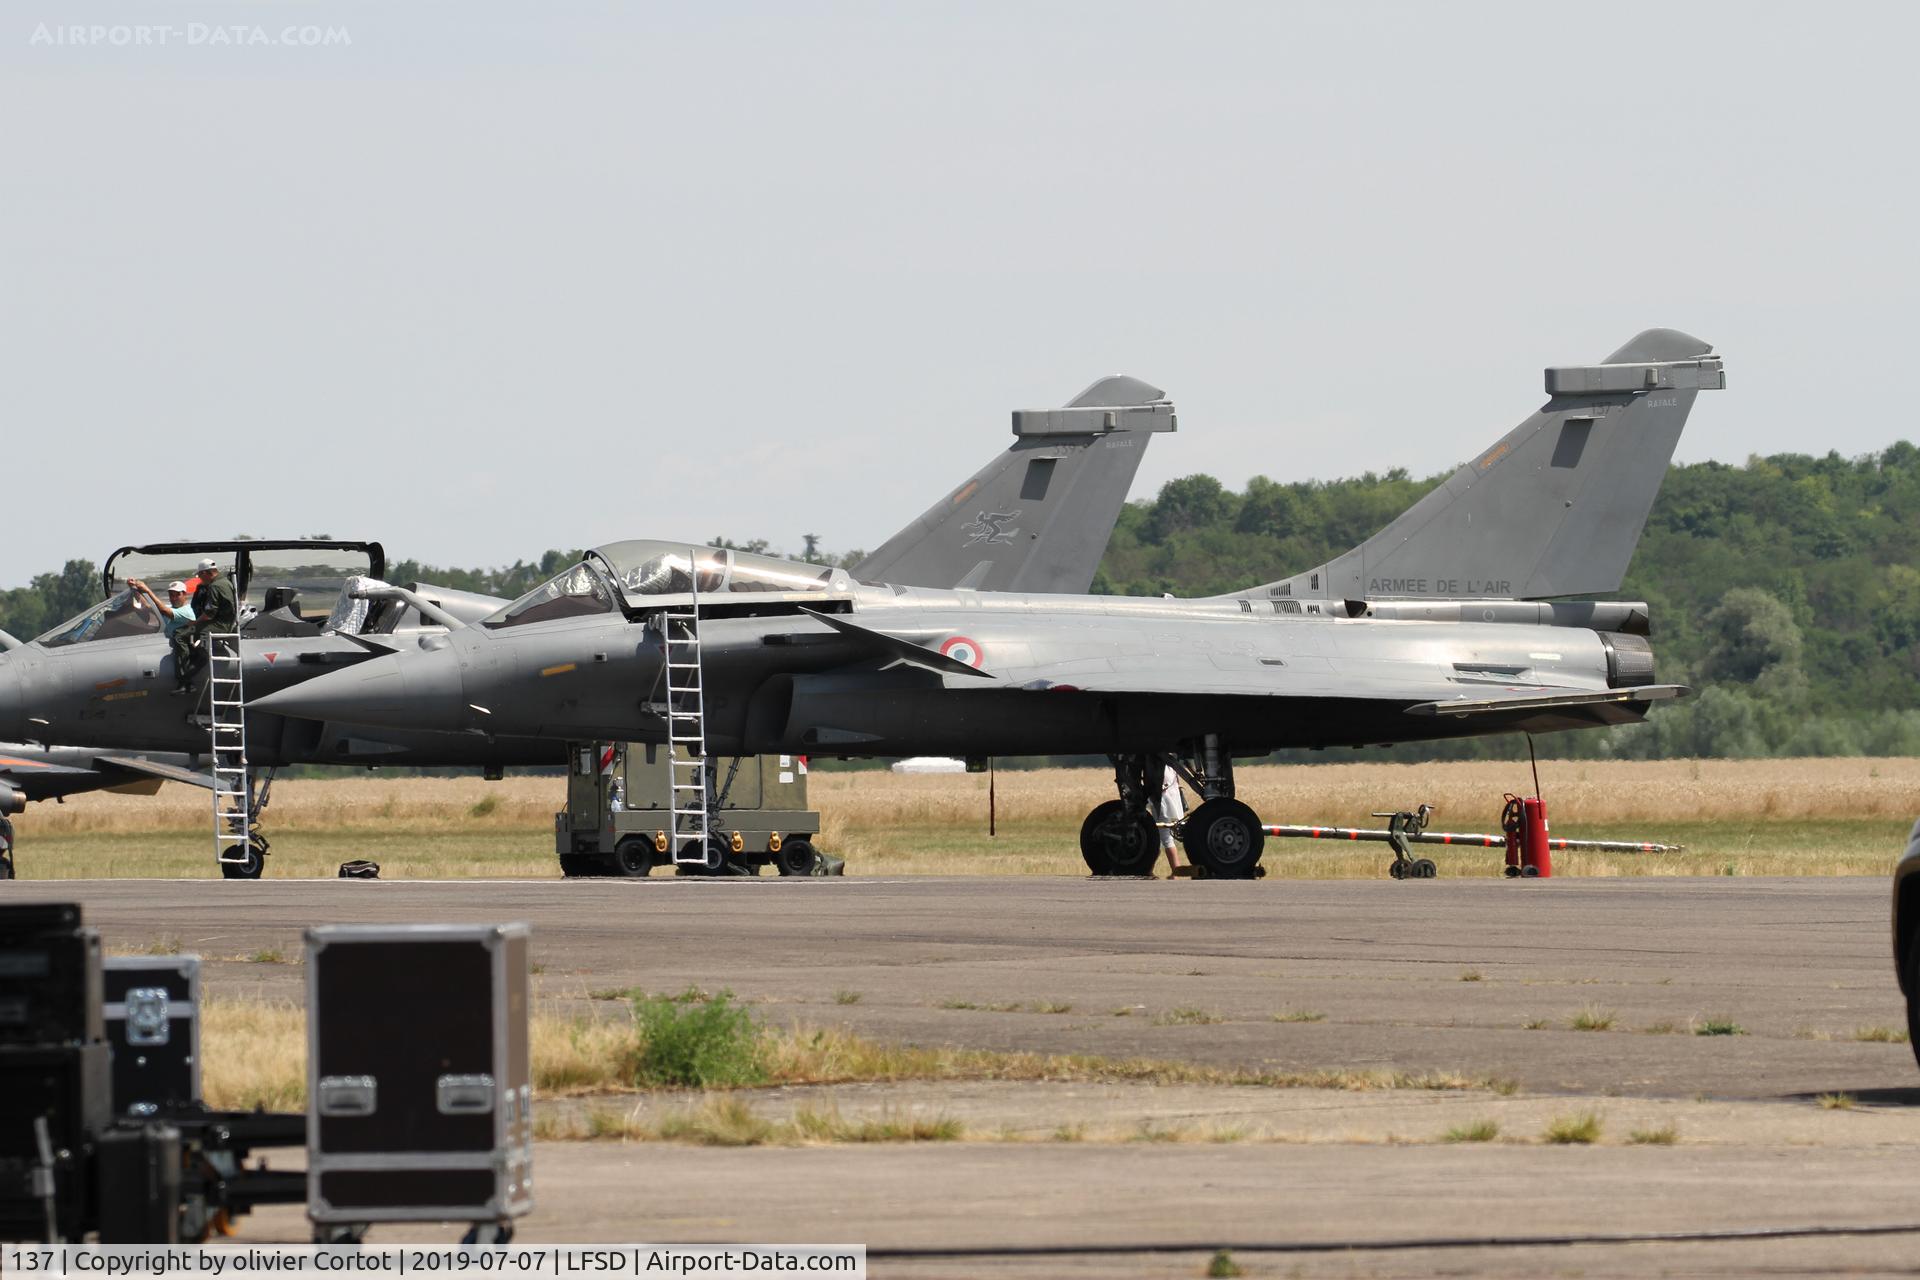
<point x="1553" y="508"/>
<point x="1037" y="517"/>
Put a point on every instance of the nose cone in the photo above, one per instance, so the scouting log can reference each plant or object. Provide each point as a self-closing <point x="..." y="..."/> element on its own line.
<point x="415" y="690"/>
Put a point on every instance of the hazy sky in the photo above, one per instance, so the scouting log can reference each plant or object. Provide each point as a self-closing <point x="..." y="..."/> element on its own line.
<point x="484" y="279"/>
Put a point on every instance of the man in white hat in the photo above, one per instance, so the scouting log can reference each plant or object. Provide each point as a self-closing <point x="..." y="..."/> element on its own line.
<point x="176" y="615"/>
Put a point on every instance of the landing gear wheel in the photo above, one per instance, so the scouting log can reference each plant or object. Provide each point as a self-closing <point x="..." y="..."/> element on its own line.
<point x="633" y="856"/>
<point x="254" y="863"/>
<point x="1117" y="842"/>
<point x="1398" y="869"/>
<point x="6" y="867"/>
<point x="797" y="858"/>
<point x="1224" y="837"/>
<point x="6" y="849"/>
<point x="1425" y="869"/>
<point x="575" y="865"/>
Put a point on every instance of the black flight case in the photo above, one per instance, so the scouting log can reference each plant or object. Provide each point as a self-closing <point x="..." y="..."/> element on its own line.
<point x="153" y="1023"/>
<point x="421" y="1097"/>
<point x="54" y="1093"/>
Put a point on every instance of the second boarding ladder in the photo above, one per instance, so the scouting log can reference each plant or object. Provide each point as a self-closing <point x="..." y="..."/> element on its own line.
<point x="687" y="772"/>
<point x="232" y="780"/>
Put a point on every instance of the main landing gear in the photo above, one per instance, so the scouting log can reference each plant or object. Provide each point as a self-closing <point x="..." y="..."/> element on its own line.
<point x="1222" y="837"/>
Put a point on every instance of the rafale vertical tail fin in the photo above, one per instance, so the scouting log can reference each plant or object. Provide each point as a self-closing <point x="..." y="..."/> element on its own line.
<point x="1037" y="517"/>
<point x="1553" y="508"/>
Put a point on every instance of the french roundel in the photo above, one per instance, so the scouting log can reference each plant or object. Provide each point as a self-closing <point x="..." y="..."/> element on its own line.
<point x="962" y="649"/>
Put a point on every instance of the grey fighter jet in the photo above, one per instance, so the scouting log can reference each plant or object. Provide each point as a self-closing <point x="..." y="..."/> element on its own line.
<point x="1434" y="628"/>
<point x="1037" y="516"/>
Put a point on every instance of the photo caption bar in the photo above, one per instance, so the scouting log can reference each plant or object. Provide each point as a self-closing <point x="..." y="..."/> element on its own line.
<point x="637" y="1261"/>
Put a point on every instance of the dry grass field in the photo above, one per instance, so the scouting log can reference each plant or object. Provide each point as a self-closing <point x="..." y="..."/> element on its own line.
<point x="1768" y="817"/>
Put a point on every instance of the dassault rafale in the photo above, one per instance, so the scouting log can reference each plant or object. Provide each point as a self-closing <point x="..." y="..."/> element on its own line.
<point x="1035" y="518"/>
<point x="1454" y="620"/>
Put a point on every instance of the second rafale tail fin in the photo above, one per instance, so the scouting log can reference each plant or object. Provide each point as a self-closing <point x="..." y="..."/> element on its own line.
<point x="1037" y="517"/>
<point x="1553" y="508"/>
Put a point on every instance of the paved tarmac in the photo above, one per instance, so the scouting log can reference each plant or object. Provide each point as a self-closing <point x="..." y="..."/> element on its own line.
<point x="1477" y="977"/>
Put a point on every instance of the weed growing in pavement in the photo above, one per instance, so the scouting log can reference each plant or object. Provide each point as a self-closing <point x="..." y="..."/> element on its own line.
<point x="1718" y="1027"/>
<point x="1478" y="1131"/>
<point x="1300" y="1015"/>
<point x="1879" y="1035"/>
<point x="846" y="997"/>
<point x="1665" y="1136"/>
<point x="1186" y="1016"/>
<point x="1581" y="1128"/>
<point x="1835" y="1101"/>
<point x="1592" y="1018"/>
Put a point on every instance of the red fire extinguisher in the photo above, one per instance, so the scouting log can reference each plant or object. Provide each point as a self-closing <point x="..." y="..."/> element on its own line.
<point x="1524" y="820"/>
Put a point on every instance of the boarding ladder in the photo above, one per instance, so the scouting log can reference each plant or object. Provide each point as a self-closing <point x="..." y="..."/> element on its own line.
<point x="227" y="726"/>
<point x="687" y="772"/>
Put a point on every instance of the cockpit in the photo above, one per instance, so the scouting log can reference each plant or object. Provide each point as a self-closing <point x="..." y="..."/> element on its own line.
<point x="632" y="571"/>
<point x="126" y="613"/>
<point x="279" y="585"/>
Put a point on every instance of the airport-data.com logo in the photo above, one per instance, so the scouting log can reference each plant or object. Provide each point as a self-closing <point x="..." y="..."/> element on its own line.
<point x="193" y="35"/>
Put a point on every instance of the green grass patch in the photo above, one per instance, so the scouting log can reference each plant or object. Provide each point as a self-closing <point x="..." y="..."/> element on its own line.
<point x="1592" y="1018"/>
<point x="1665" y="1136"/>
<point x="1879" y="1035"/>
<point x="696" y="1043"/>
<point x="1718" y="1027"/>
<point x="847" y="997"/>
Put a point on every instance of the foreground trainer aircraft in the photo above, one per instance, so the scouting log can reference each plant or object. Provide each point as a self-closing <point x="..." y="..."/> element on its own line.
<point x="1434" y="628"/>
<point x="1038" y="516"/>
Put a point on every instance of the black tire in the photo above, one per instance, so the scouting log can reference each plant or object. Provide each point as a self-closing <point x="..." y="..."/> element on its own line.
<point x="6" y="867"/>
<point x="797" y="858"/>
<point x="575" y="865"/>
<point x="1912" y="970"/>
<point x="1425" y="869"/>
<point x="715" y="864"/>
<point x="1116" y="842"/>
<point x="1397" y="869"/>
<point x="253" y="866"/>
<point x="632" y="857"/>
<point x="1225" y="838"/>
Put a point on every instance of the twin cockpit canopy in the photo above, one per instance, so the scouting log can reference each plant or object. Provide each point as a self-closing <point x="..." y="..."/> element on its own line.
<point x="292" y="588"/>
<point x="630" y="571"/>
